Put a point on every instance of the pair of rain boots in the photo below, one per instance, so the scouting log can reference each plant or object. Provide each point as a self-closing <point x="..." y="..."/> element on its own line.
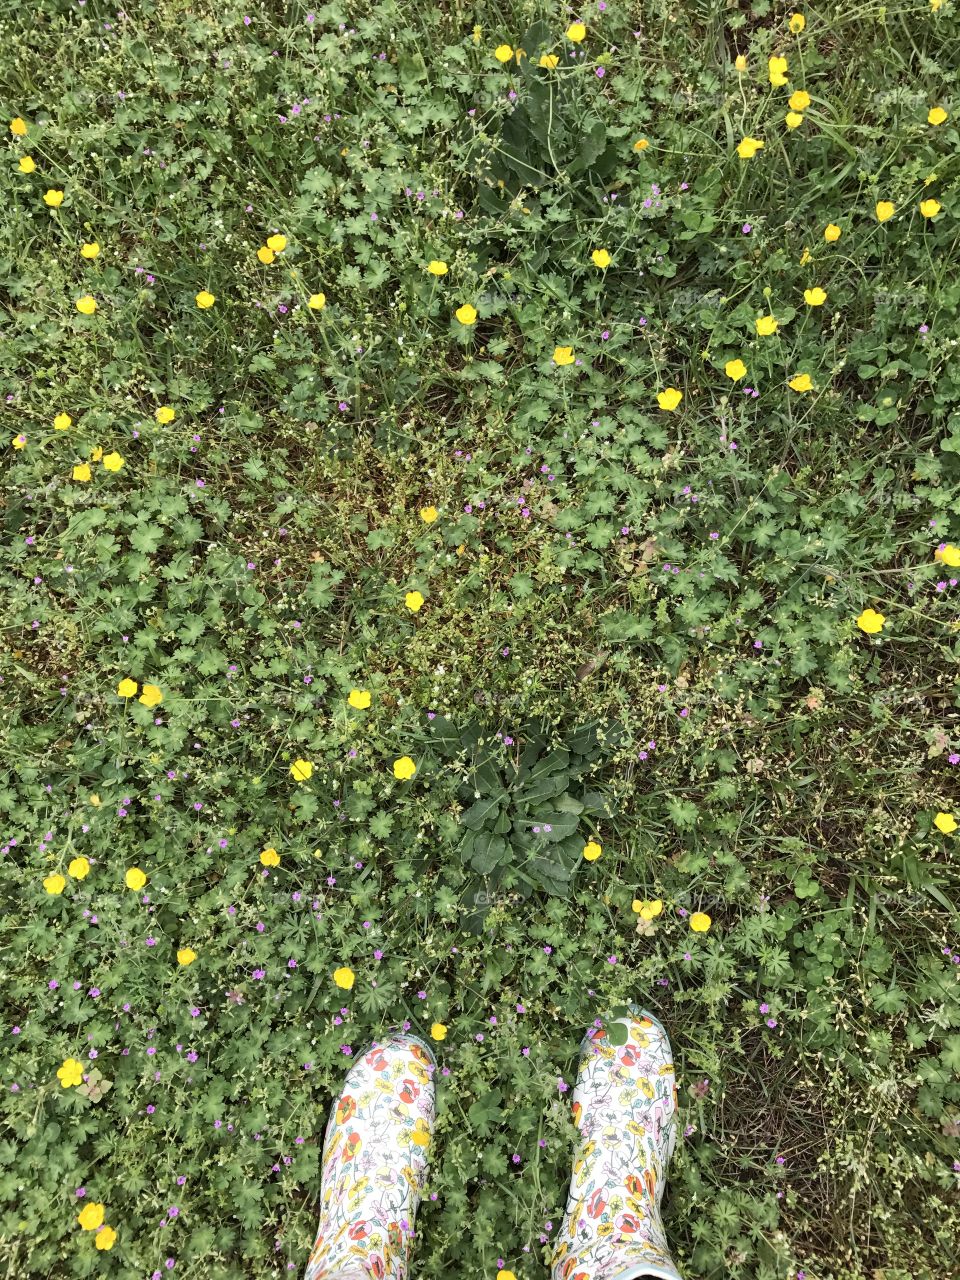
<point x="377" y="1152"/>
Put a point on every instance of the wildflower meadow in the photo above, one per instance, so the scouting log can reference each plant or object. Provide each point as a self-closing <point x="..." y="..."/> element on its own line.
<point x="481" y="540"/>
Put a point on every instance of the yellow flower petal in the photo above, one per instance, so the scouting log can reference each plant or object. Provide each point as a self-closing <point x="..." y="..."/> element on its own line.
<point x="344" y="978"/>
<point x="404" y="768"/>
<point x="301" y="770"/>
<point x="669" y="398"/>
<point x="592" y="850"/>
<point x="700" y="922"/>
<point x="871" y="622"/>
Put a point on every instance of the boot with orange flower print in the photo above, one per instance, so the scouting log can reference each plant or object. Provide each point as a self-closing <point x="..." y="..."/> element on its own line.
<point x="375" y="1158"/>
<point x="625" y="1107"/>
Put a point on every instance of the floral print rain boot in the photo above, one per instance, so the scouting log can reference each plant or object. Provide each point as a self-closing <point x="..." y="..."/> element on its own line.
<point x="625" y="1106"/>
<point x="375" y="1157"/>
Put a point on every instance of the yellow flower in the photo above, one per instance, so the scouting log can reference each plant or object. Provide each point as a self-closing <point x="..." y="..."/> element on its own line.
<point x="748" y="147"/>
<point x="466" y="314"/>
<point x="266" y="254"/>
<point x="27" y="164"/>
<point x="930" y="208"/>
<point x="576" y="32"/>
<point x="90" y="1217"/>
<point x="777" y="68"/>
<point x="344" y="978"/>
<point x="740" y="62"/>
<point x="414" y="601"/>
<point x="503" y="53"/>
<point x="884" y="210"/>
<point x="62" y="422"/>
<point x="70" y="1075"/>
<point x="437" y="267"/>
<point x="151" y="695"/>
<point x="800" y="382"/>
<point x="165" y="414"/>
<point x="936" y="115"/>
<point x="277" y="243"/>
<point x="96" y="454"/>
<point x="105" y="1238"/>
<point x="53" y="198"/>
<point x="601" y="258"/>
<point x="421" y="1133"/>
<point x="18" y="127"/>
<point x="438" y="1031"/>
<point x="428" y="514"/>
<point x="317" y="301"/>
<point x="185" y="956"/>
<point x="766" y="325"/>
<point x="404" y="768"/>
<point x="797" y="23"/>
<point x="54" y="884"/>
<point x="548" y="61"/>
<point x="814" y="297"/>
<point x="270" y="858"/>
<point x="301" y="770"/>
<point x="935" y="5"/>
<point x="127" y="688"/>
<point x="112" y="461"/>
<point x="205" y="300"/>
<point x="506" y="1275"/>
<point x="592" y="850"/>
<point x="950" y="556"/>
<point x="831" y="232"/>
<point x="95" y="800"/>
<point x="669" y="398"/>
<point x="871" y="622"/>
<point x="793" y="120"/>
<point x="648" y="910"/>
<point x="563" y="356"/>
<point x="89" y="250"/>
<point x="19" y="442"/>
<point x="641" y="144"/>
<point x="735" y="369"/>
<point x="946" y="823"/>
<point x="359" y="699"/>
<point x="86" y="305"/>
<point x="135" y="879"/>
<point x="700" y="922"/>
<point x="79" y="868"/>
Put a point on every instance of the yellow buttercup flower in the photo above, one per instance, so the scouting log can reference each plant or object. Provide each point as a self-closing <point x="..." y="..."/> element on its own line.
<point x="404" y="769"/>
<point x="53" y="198"/>
<point x="950" y="556"/>
<point x="96" y="454"/>
<point x="79" y="868"/>
<point x="205" y="300"/>
<point x="135" y="879"/>
<point x="740" y="62"/>
<point x="70" y="1075"/>
<point x="735" y="369"/>
<point x="414" y="601"/>
<point x="27" y="164"/>
<point x="884" y="210"/>
<point x="344" y="978"/>
<point x="466" y="314"/>
<point x="19" y="441"/>
<point x="505" y="1275"/>
<point x="89" y="250"/>
<point x="576" y="32"/>
<point x="563" y="356"/>
<point x="270" y="858"/>
<point x="437" y="267"/>
<point x="700" y="922"/>
<point x="831" y="232"/>
<point x="185" y="956"/>
<point x="871" y="622"/>
<point x="793" y="120"/>
<point x="105" y="1238"/>
<point x="549" y="61"/>
<point x="18" y="127"/>
<point x="151" y="695"/>
<point x="797" y="23"/>
<point x="428" y="514"/>
<point x="641" y="144"/>
<point x="805" y="256"/>
<point x="317" y="301"/>
<point x="266" y="254"/>
<point x="86" y="305"/>
<point x="592" y="850"/>
<point x="277" y="243"/>
<point x="748" y="147"/>
<point x="669" y="398"/>
<point x="777" y="69"/>
<point x="112" y="461"/>
<point x="800" y="382"/>
<point x="438" y="1031"/>
<point x="90" y="1217"/>
<point x="814" y="297"/>
<point x="799" y="101"/>
<point x="359" y="699"/>
<point x="945" y="823"/>
<point x="601" y="258"/>
<point x="165" y="414"/>
<point x="936" y="115"/>
<point x="648" y="910"/>
<point x="62" y="422"/>
<point x="766" y="325"/>
<point x="930" y="208"/>
<point x="503" y="53"/>
<point x="54" y="884"/>
<point x="301" y="770"/>
<point x="127" y="688"/>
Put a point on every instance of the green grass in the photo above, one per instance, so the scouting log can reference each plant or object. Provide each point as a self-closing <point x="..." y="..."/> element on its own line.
<point x="251" y="559"/>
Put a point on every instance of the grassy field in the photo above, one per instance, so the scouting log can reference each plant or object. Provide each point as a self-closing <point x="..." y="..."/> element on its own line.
<point x="336" y="365"/>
